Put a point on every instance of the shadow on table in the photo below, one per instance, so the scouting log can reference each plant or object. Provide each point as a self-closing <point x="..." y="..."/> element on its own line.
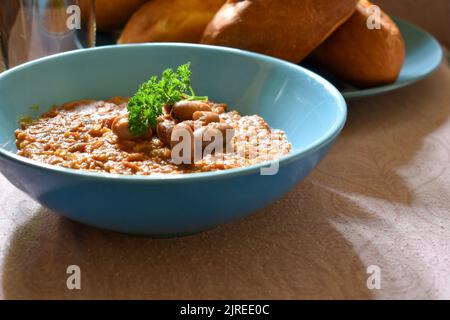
<point x="291" y="250"/>
<point x="377" y="152"/>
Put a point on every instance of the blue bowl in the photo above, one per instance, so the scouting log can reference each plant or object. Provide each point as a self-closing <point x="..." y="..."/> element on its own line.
<point x="307" y="107"/>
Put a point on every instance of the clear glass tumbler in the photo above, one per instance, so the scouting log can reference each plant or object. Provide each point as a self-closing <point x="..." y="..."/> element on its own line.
<point x="30" y="29"/>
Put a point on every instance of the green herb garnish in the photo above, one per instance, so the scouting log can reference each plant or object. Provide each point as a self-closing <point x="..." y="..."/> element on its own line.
<point x="147" y="104"/>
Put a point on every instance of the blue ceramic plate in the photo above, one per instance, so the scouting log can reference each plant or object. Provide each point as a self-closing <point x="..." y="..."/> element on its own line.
<point x="307" y="107"/>
<point x="423" y="55"/>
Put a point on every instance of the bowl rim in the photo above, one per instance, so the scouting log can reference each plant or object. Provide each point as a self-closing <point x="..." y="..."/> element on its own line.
<point x="327" y="137"/>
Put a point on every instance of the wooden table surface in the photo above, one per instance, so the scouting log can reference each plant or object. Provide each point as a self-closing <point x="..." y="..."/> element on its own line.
<point x="381" y="198"/>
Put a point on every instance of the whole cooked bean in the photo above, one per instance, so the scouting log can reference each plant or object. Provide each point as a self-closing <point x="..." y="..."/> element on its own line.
<point x="205" y="117"/>
<point x="164" y="131"/>
<point x="183" y="110"/>
<point x="120" y="127"/>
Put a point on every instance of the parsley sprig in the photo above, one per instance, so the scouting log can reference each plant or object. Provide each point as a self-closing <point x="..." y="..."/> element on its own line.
<point x="147" y="104"/>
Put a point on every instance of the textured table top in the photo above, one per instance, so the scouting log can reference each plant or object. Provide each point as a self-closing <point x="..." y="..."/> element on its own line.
<point x="382" y="197"/>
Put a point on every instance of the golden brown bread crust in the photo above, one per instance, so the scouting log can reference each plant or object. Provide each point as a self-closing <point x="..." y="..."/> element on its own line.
<point x="170" y="21"/>
<point x="112" y="15"/>
<point x="287" y="29"/>
<point x="361" y="56"/>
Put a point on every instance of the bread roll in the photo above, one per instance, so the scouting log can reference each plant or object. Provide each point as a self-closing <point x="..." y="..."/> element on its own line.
<point x="361" y="56"/>
<point x="112" y="15"/>
<point x="170" y="21"/>
<point x="287" y="29"/>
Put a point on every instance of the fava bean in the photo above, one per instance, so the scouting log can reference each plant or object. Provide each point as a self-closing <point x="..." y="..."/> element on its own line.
<point x="120" y="127"/>
<point x="183" y="110"/>
<point x="164" y="131"/>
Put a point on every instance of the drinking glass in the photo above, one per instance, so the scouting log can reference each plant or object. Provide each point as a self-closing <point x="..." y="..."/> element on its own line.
<point x="30" y="29"/>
